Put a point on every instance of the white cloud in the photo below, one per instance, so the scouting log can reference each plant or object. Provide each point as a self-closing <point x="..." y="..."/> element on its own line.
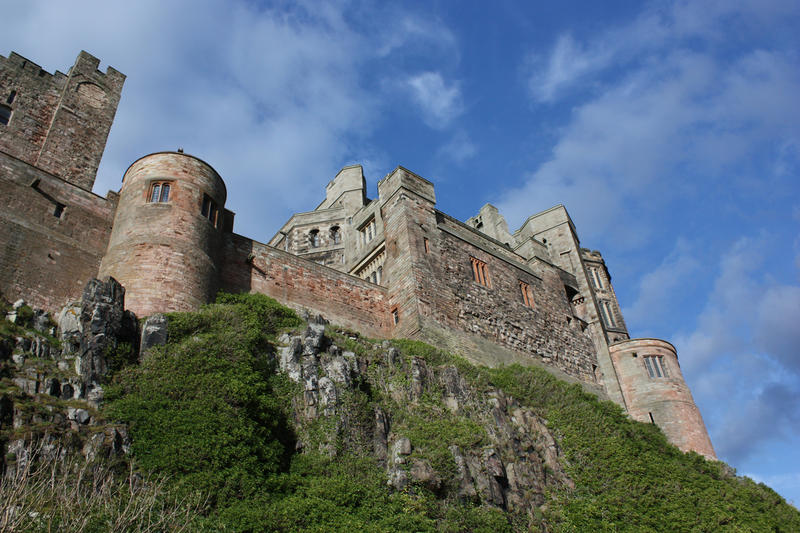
<point x="439" y="102"/>
<point x="742" y="354"/>
<point x="459" y="149"/>
<point x="673" y="120"/>
<point x="272" y="98"/>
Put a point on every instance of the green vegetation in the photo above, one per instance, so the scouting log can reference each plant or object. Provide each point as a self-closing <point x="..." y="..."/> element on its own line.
<point x="210" y="413"/>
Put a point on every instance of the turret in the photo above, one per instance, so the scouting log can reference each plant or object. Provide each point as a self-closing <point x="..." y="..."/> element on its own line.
<point x="655" y="391"/>
<point x="165" y="244"/>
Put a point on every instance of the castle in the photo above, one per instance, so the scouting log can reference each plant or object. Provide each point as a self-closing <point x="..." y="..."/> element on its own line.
<point x="393" y="266"/>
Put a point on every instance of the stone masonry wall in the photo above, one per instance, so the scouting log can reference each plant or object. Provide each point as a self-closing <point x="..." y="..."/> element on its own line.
<point x="546" y="331"/>
<point x="59" y="122"/>
<point x="251" y="266"/>
<point x="44" y="258"/>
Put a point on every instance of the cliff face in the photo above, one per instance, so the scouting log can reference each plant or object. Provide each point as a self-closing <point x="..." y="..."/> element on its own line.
<point x="262" y="421"/>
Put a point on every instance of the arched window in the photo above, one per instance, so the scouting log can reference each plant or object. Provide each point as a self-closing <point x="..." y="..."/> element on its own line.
<point x="313" y="238"/>
<point x="336" y="235"/>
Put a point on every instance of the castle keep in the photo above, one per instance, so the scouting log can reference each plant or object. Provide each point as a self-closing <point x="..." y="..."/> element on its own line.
<point x="393" y="266"/>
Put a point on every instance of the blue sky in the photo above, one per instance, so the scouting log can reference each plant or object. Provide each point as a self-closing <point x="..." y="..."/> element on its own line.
<point x="670" y="130"/>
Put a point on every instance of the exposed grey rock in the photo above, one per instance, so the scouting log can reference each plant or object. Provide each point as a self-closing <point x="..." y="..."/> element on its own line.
<point x="105" y="324"/>
<point x="379" y="441"/>
<point x="419" y="376"/>
<point x="313" y="338"/>
<point x="397" y="479"/>
<point x="327" y="395"/>
<point x="422" y="472"/>
<point x="70" y="329"/>
<point x="41" y="321"/>
<point x="52" y="387"/>
<point x="290" y="358"/>
<point x="466" y="489"/>
<point x="26" y="385"/>
<point x="393" y="357"/>
<point x="401" y="448"/>
<point x="67" y="391"/>
<point x="154" y="333"/>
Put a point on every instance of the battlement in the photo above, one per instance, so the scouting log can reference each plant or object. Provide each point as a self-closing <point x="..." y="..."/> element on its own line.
<point x="26" y="67"/>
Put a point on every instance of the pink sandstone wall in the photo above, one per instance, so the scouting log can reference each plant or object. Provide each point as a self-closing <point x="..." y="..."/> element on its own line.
<point x="667" y="400"/>
<point x="251" y="266"/>
<point x="47" y="259"/>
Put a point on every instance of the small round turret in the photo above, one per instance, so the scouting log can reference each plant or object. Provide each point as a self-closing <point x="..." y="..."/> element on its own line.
<point x="165" y="243"/>
<point x="655" y="391"/>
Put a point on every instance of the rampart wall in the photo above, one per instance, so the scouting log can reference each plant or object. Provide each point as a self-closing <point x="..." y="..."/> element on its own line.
<point x="251" y="266"/>
<point x="46" y="256"/>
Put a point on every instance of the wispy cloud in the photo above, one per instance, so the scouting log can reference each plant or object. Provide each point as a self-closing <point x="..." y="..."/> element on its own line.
<point x="744" y="346"/>
<point x="459" y="149"/>
<point x="439" y="101"/>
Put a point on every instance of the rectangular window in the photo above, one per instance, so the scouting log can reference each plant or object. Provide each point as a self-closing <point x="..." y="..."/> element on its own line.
<point x="5" y="114"/>
<point x="395" y="316"/>
<point x="368" y="231"/>
<point x="159" y="192"/>
<point x="209" y="210"/>
<point x="427" y="245"/>
<point x="655" y="366"/>
<point x="596" y="278"/>
<point x="59" y="210"/>
<point x="608" y="314"/>
<point x="480" y="273"/>
<point x="527" y="296"/>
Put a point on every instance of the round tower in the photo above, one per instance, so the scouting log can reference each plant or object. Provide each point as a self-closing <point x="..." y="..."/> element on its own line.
<point x="165" y="242"/>
<point x="654" y="391"/>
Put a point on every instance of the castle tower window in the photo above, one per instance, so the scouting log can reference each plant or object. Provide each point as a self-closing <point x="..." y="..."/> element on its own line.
<point x="527" y="295"/>
<point x="209" y="210"/>
<point x="5" y="114"/>
<point x="655" y="366"/>
<point x="427" y="245"/>
<point x="608" y="314"/>
<point x="379" y="273"/>
<point x="395" y="316"/>
<point x="480" y="273"/>
<point x="313" y="238"/>
<point x="368" y="231"/>
<point x="10" y="99"/>
<point x="159" y="192"/>
<point x="336" y="235"/>
<point x="59" y="210"/>
<point x="596" y="278"/>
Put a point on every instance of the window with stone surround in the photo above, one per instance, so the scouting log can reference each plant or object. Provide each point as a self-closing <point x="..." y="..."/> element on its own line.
<point x="336" y="235"/>
<point x="209" y="210"/>
<point x="427" y="245"/>
<point x="596" y="278"/>
<point x="655" y="366"/>
<point x="480" y="272"/>
<point x="368" y="231"/>
<point x="395" y="316"/>
<point x="527" y="295"/>
<point x="313" y="238"/>
<point x="608" y="313"/>
<point x="159" y="192"/>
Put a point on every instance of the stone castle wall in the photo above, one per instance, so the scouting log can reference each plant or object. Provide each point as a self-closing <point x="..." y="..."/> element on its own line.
<point x="53" y="235"/>
<point x="250" y="266"/>
<point x="59" y="122"/>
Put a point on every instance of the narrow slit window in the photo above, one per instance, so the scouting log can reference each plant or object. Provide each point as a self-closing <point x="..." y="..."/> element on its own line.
<point x="395" y="316"/>
<point x="527" y="297"/>
<point x="10" y="99"/>
<point x="427" y="245"/>
<point x="59" y="210"/>
<point x="209" y="210"/>
<point x="5" y="114"/>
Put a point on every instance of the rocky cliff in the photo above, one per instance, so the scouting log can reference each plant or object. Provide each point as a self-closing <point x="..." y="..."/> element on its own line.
<point x="253" y="419"/>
